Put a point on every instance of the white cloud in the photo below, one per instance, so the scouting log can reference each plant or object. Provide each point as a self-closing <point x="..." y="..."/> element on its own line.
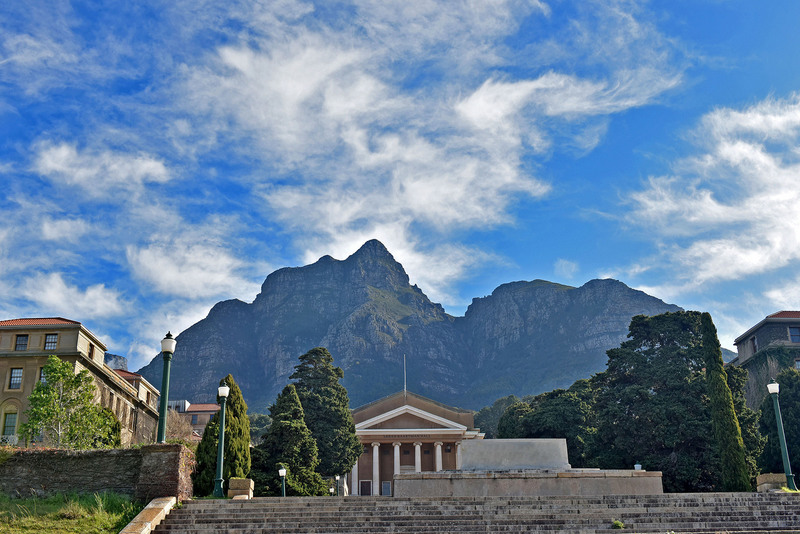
<point x="728" y="213"/>
<point x="100" y="173"/>
<point x="189" y="270"/>
<point x="53" y="295"/>
<point x="64" y="229"/>
<point x="565" y="268"/>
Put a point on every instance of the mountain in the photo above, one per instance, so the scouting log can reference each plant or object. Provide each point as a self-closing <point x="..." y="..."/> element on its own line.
<point x="524" y="338"/>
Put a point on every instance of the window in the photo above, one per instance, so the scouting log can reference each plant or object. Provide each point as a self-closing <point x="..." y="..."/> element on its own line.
<point x="194" y="419"/>
<point x="50" y="341"/>
<point x="22" y="342"/>
<point x="148" y="397"/>
<point x="797" y="364"/>
<point x="754" y="344"/>
<point x="91" y="351"/>
<point x="794" y="334"/>
<point x="41" y="375"/>
<point x="15" y="378"/>
<point x="10" y="424"/>
<point x="131" y="418"/>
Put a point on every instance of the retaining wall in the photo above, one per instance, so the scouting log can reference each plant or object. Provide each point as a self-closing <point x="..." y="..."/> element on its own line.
<point x="143" y="473"/>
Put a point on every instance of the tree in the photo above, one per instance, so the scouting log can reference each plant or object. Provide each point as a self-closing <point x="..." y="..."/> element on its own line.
<point x="178" y="427"/>
<point x="510" y="424"/>
<point x="771" y="460"/>
<point x="259" y="424"/>
<point x="288" y="443"/>
<point x="327" y="411"/>
<point x="236" y="453"/>
<point x="564" y="414"/>
<point x="727" y="433"/>
<point x="488" y="417"/>
<point x="62" y="409"/>
<point x="652" y="404"/>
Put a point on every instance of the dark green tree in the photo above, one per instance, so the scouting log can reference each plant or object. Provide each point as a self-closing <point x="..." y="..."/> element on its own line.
<point x="236" y="454"/>
<point x="735" y="475"/>
<point x="771" y="461"/>
<point x="488" y="417"/>
<point x="63" y="410"/>
<point x="259" y="424"/>
<point x="288" y="442"/>
<point x="327" y="411"/>
<point x="565" y="414"/>
<point x="748" y="420"/>
<point x="652" y="406"/>
<point x="510" y="424"/>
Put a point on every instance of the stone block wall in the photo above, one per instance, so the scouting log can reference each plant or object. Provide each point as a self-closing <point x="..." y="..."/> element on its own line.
<point x="143" y="473"/>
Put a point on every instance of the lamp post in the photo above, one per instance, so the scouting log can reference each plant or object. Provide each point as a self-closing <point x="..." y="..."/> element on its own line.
<point x="337" y="485"/>
<point x="167" y="350"/>
<point x="773" y="389"/>
<point x="282" y="474"/>
<point x="222" y="392"/>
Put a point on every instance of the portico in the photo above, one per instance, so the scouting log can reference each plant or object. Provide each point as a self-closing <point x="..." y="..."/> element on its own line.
<point x="407" y="433"/>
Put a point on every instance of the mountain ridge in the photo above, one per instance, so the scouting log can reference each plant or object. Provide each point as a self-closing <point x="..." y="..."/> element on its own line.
<point x="523" y="338"/>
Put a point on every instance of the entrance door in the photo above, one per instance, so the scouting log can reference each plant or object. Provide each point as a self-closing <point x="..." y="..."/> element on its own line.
<point x="386" y="488"/>
<point x="365" y="488"/>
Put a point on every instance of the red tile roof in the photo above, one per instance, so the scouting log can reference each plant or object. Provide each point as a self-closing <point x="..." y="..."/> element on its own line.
<point x="202" y="408"/>
<point x="42" y="321"/>
<point x="785" y="315"/>
<point x="127" y="374"/>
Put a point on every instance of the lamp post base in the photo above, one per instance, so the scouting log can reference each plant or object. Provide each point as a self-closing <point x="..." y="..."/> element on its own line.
<point x="218" y="491"/>
<point x="790" y="482"/>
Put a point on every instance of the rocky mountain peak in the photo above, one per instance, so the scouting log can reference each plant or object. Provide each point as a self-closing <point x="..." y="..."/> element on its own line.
<point x="524" y="338"/>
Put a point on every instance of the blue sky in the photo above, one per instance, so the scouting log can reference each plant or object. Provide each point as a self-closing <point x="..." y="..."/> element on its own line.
<point x="156" y="158"/>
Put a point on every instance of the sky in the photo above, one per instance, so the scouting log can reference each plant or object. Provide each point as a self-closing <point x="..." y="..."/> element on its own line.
<point x="159" y="157"/>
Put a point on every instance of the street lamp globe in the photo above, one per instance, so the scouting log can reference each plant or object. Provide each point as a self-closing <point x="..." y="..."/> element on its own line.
<point x="223" y="391"/>
<point x="168" y="343"/>
<point x="281" y="472"/>
<point x="773" y="388"/>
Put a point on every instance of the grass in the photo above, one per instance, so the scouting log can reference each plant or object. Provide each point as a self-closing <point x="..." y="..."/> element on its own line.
<point x="105" y="513"/>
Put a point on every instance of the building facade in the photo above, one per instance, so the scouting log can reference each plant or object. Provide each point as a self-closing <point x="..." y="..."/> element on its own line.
<point x="197" y="414"/>
<point x="767" y="348"/>
<point x="25" y="345"/>
<point x="407" y="433"/>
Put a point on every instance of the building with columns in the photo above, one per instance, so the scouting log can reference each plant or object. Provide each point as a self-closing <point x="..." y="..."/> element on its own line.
<point x="407" y="433"/>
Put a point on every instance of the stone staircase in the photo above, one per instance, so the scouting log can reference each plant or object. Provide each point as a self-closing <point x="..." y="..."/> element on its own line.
<point x="697" y="512"/>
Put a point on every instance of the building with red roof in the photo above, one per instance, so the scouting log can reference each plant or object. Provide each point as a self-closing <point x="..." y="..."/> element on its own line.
<point x="765" y="349"/>
<point x="25" y="345"/>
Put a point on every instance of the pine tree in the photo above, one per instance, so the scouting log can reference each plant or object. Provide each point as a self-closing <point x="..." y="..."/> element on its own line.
<point x="727" y="433"/>
<point x="288" y="443"/>
<point x="327" y="411"/>
<point x="236" y="455"/>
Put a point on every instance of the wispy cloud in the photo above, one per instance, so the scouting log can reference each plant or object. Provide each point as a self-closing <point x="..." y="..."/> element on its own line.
<point x="50" y="292"/>
<point x="728" y="212"/>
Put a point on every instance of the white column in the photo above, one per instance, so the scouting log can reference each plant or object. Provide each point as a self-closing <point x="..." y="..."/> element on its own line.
<point x="354" y="480"/>
<point x="438" y="446"/>
<point x="417" y="457"/>
<point x="458" y="455"/>
<point x="396" y="446"/>
<point x="376" y="468"/>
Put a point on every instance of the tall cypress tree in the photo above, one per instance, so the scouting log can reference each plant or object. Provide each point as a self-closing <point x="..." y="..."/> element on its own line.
<point x="288" y="443"/>
<point x="327" y="411"/>
<point x="237" y="443"/>
<point x="727" y="433"/>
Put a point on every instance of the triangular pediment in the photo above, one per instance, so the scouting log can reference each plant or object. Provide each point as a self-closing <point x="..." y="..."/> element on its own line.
<point x="408" y="417"/>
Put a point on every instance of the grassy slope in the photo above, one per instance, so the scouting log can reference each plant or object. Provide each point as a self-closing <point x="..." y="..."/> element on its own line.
<point x="105" y="513"/>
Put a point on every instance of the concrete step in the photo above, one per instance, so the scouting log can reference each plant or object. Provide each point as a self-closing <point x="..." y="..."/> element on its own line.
<point x="728" y="512"/>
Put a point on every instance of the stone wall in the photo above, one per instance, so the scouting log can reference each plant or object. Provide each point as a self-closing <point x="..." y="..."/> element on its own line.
<point x="143" y="473"/>
<point x="527" y="483"/>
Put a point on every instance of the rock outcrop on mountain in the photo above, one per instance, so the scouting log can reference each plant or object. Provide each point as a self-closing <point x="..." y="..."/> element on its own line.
<point x="525" y="338"/>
